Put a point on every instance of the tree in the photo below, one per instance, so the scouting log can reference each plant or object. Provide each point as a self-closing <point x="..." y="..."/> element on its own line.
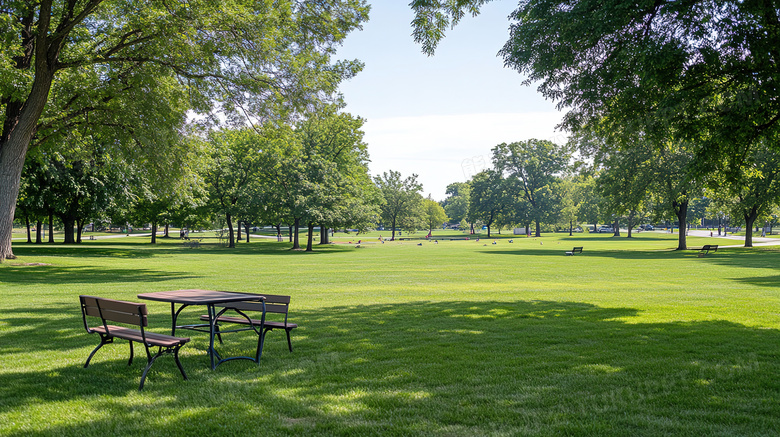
<point x="488" y="197"/>
<point x="699" y="72"/>
<point x="624" y="181"/>
<point x="402" y="199"/>
<point x="336" y="159"/>
<point x="571" y="201"/>
<point x="456" y="205"/>
<point x="434" y="214"/>
<point x="630" y="162"/>
<point x="534" y="165"/>
<point x="66" y="65"/>
<point x="232" y="174"/>
<point x="755" y="189"/>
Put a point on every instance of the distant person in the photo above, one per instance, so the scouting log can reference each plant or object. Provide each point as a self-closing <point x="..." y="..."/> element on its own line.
<point x="181" y="234"/>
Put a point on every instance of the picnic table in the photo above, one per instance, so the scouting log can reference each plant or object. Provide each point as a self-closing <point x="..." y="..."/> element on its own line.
<point x="210" y="299"/>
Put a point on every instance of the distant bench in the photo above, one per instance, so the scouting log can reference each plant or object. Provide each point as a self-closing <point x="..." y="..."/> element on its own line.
<point x="575" y="250"/>
<point x="128" y="313"/>
<point x="707" y="248"/>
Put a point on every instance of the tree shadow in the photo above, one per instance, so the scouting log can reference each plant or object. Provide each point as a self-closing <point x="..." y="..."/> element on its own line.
<point x="57" y="275"/>
<point x="130" y="250"/>
<point x="450" y="368"/>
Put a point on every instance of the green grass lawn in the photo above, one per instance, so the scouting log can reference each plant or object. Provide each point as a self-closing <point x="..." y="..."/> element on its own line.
<point x="455" y="338"/>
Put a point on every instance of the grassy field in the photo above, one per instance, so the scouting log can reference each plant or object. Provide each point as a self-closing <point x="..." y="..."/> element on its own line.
<point x="455" y="338"/>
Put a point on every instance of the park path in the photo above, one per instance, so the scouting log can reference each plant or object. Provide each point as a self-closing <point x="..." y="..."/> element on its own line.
<point x="757" y="241"/>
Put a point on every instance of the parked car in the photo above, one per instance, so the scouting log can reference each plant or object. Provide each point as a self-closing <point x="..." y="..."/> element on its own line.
<point x="606" y="230"/>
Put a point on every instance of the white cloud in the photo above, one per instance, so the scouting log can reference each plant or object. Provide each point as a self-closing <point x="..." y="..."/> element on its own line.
<point x="443" y="149"/>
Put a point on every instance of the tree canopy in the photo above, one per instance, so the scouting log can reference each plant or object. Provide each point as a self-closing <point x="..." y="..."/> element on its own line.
<point x="702" y="72"/>
<point x="133" y="70"/>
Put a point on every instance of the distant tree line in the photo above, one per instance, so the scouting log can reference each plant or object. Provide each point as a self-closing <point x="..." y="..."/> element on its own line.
<point x="313" y="174"/>
<point x="537" y="184"/>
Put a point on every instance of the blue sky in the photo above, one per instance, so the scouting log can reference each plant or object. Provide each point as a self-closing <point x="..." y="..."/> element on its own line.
<point x="440" y="116"/>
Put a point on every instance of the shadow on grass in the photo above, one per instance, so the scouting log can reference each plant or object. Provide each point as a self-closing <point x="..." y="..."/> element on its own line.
<point x="126" y="249"/>
<point x="55" y="275"/>
<point x="449" y="368"/>
<point x="758" y="257"/>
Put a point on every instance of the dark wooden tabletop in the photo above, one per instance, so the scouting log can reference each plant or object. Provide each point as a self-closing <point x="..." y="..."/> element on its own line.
<point x="199" y="297"/>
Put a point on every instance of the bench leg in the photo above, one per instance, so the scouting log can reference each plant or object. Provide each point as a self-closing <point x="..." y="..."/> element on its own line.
<point x="146" y="370"/>
<point x="178" y="363"/>
<point x="219" y="334"/>
<point x="260" y="343"/>
<point x="289" y="343"/>
<point x="151" y="360"/>
<point x="103" y="341"/>
<point x="130" y="361"/>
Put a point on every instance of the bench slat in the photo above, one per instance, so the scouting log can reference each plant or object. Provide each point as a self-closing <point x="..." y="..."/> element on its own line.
<point x="152" y="338"/>
<point x="116" y="311"/>
<point x="256" y="306"/>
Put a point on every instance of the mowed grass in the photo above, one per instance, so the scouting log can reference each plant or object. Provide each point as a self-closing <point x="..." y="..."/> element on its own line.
<point x="455" y="338"/>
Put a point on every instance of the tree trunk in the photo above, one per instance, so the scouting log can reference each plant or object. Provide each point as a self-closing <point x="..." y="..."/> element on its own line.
<point x="11" y="163"/>
<point x="27" y="223"/>
<point x="310" y="239"/>
<point x="79" y="226"/>
<point x="68" y="223"/>
<point x="571" y="227"/>
<point x="51" y="227"/>
<point x="231" y="236"/>
<point x="296" y="224"/>
<point x="750" y="218"/>
<point x="538" y="229"/>
<point x="38" y="229"/>
<point x="392" y="237"/>
<point x="20" y="121"/>
<point x="238" y="229"/>
<point x="324" y="237"/>
<point x="616" y="227"/>
<point x="167" y="228"/>
<point x="630" y="224"/>
<point x="154" y="232"/>
<point x="290" y="233"/>
<point x="681" y="211"/>
<point x="246" y="223"/>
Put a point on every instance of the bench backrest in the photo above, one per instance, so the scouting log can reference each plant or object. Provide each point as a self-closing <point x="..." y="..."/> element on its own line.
<point x="274" y="303"/>
<point x="130" y="313"/>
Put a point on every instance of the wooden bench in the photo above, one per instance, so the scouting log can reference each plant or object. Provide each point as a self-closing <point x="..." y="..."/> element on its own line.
<point x="575" y="250"/>
<point x="133" y="314"/>
<point x="274" y="304"/>
<point x="707" y="248"/>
